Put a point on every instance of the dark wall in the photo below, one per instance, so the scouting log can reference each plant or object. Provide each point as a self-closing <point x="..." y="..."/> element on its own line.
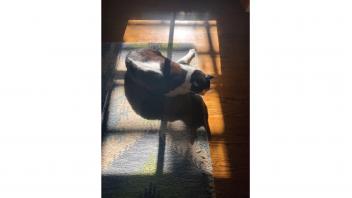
<point x="116" y="13"/>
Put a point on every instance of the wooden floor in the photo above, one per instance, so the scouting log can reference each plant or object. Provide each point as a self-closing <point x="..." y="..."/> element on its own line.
<point x="220" y="33"/>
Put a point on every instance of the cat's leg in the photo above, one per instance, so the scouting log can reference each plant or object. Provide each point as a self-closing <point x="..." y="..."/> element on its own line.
<point x="193" y="135"/>
<point x="207" y="128"/>
<point x="188" y="58"/>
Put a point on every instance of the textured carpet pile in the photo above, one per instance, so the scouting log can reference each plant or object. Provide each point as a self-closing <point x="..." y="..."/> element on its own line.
<point x="149" y="158"/>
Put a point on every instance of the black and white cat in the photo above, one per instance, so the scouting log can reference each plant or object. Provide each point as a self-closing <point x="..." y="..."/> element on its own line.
<point x="160" y="75"/>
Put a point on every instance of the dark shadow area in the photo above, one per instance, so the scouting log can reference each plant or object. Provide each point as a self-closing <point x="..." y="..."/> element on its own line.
<point x="152" y="186"/>
<point x="109" y="53"/>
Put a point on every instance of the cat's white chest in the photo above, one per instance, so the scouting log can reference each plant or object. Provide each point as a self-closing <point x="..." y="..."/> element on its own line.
<point x="180" y="90"/>
<point x="185" y="87"/>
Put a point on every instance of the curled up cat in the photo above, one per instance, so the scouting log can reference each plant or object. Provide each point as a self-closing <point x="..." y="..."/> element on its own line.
<point x="166" y="89"/>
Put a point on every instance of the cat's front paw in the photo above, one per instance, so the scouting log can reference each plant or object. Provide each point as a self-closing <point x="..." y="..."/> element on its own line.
<point x="192" y="52"/>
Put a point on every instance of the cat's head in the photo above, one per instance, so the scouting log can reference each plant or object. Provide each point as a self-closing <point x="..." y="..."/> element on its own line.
<point x="200" y="82"/>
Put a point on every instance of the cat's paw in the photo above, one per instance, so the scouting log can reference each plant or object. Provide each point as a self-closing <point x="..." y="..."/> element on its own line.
<point x="192" y="52"/>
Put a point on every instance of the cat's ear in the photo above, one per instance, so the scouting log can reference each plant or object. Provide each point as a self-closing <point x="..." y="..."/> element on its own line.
<point x="209" y="77"/>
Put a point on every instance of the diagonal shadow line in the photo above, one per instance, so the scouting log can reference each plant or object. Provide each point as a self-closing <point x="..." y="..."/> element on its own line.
<point x="163" y="124"/>
<point x="212" y="52"/>
<point x="161" y="148"/>
<point x="171" y="36"/>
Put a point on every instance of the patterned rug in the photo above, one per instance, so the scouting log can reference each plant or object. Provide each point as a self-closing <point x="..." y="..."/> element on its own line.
<point x="150" y="154"/>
